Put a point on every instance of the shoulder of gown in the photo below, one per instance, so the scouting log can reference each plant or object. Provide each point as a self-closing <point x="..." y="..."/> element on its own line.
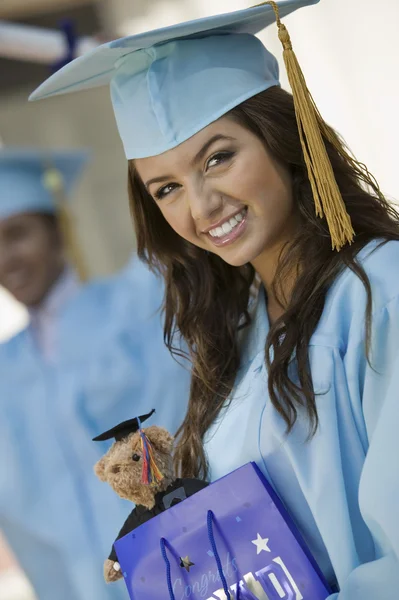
<point x="343" y="320"/>
<point x="122" y="307"/>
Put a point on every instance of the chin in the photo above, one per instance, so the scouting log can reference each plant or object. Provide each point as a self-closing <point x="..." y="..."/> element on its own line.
<point x="241" y="257"/>
<point x="239" y="262"/>
<point x="30" y="298"/>
<point x="22" y="297"/>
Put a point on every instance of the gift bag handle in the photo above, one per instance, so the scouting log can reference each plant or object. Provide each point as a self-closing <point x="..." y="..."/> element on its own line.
<point x="168" y="569"/>
<point x="211" y="537"/>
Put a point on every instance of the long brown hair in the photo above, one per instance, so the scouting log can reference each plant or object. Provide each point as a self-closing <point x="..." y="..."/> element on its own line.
<point x="206" y="300"/>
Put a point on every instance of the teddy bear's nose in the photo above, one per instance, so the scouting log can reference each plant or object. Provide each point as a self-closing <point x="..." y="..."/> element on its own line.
<point x="136" y="457"/>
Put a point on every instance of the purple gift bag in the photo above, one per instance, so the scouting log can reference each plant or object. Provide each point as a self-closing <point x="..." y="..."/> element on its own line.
<point x="232" y="537"/>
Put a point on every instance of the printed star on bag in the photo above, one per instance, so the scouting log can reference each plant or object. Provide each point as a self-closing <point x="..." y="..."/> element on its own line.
<point x="261" y="544"/>
<point x="186" y="563"/>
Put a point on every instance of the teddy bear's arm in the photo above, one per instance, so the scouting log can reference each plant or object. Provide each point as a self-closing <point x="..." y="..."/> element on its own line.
<point x="132" y="522"/>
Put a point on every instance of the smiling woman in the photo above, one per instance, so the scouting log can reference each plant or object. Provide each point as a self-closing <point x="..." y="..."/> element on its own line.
<point x="248" y="163"/>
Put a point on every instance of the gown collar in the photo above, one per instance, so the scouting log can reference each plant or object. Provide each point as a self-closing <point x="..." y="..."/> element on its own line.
<point x="43" y="319"/>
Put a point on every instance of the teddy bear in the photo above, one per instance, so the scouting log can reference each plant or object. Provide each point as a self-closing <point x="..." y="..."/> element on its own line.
<point x="139" y="468"/>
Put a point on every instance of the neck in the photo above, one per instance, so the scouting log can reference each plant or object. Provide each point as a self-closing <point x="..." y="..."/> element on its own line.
<point x="44" y="317"/>
<point x="52" y="286"/>
<point x="62" y="289"/>
<point x="266" y="266"/>
<point x="147" y="495"/>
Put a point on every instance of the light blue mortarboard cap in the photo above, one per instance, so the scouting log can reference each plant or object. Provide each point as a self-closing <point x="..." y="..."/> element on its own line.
<point x="23" y="185"/>
<point x="168" y="84"/>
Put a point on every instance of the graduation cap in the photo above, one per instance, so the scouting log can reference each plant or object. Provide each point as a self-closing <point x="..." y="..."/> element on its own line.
<point x="121" y="431"/>
<point x="41" y="181"/>
<point x="168" y="84"/>
<point x="150" y="475"/>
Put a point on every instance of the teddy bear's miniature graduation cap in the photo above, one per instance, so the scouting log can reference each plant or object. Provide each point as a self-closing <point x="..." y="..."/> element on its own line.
<point x="35" y="180"/>
<point x="124" y="429"/>
<point x="168" y="84"/>
<point x="151" y="475"/>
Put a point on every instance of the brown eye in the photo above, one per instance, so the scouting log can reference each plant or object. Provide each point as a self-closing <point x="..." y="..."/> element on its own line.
<point x="165" y="191"/>
<point x="219" y="158"/>
<point x="136" y="457"/>
<point x="115" y="469"/>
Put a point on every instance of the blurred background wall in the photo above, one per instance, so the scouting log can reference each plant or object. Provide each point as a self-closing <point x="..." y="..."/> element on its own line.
<point x="349" y="54"/>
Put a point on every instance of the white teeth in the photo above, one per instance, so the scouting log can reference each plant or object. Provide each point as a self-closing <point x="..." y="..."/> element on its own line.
<point x="228" y="226"/>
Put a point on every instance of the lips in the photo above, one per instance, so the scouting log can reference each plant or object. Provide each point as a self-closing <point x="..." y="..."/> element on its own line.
<point x="228" y="225"/>
<point x="16" y="279"/>
<point x="230" y="230"/>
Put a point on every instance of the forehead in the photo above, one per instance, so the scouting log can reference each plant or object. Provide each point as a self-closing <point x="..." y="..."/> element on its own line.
<point x="22" y="219"/>
<point x="37" y="224"/>
<point x="183" y="154"/>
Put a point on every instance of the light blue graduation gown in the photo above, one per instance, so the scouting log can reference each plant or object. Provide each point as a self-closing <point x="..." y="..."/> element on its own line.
<point x="112" y="365"/>
<point x="342" y="487"/>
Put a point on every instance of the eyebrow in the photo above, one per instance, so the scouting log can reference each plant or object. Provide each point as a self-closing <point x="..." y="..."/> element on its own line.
<point x="160" y="179"/>
<point x="216" y="138"/>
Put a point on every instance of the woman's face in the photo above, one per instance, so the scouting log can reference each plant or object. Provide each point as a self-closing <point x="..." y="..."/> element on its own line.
<point x="222" y="191"/>
<point x="31" y="257"/>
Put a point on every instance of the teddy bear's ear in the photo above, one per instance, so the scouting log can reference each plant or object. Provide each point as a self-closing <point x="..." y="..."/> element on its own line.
<point x="99" y="468"/>
<point x="160" y="438"/>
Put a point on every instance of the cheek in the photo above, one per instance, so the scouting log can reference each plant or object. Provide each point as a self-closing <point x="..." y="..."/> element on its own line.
<point x="178" y="216"/>
<point x="23" y="250"/>
<point x="47" y="256"/>
<point x="268" y="192"/>
<point x="257" y="175"/>
<point x="34" y="250"/>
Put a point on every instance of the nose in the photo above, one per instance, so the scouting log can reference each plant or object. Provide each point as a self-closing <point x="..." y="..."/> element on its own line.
<point x="7" y="260"/>
<point x="3" y="260"/>
<point x="204" y="203"/>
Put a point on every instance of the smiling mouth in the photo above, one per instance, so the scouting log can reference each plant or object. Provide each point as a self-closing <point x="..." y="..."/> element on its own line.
<point x="230" y="230"/>
<point x="16" y="280"/>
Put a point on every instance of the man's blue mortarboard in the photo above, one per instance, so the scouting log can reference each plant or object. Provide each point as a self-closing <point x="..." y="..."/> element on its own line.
<point x="25" y="185"/>
<point x="40" y="181"/>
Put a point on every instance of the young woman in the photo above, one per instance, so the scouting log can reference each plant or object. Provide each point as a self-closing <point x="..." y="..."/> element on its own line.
<point x="280" y="256"/>
<point x="91" y="354"/>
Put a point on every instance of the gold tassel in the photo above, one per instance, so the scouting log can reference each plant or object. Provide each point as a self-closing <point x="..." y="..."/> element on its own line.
<point x="327" y="196"/>
<point x="53" y="181"/>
